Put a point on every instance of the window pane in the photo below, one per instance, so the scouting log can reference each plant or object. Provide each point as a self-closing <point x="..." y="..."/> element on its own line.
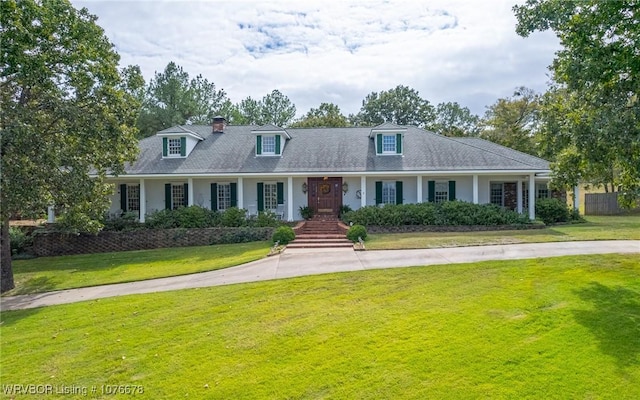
<point x="542" y="190"/>
<point x="268" y="145"/>
<point x="174" y="147"/>
<point x="442" y="192"/>
<point x="388" y="143"/>
<point x="388" y="192"/>
<point x="177" y="196"/>
<point x="133" y="197"/>
<point x="224" y="196"/>
<point x="496" y="194"/>
<point x="270" y="196"/>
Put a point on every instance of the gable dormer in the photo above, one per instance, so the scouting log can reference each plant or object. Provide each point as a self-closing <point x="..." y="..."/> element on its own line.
<point x="178" y="141"/>
<point x="388" y="139"/>
<point x="270" y="140"/>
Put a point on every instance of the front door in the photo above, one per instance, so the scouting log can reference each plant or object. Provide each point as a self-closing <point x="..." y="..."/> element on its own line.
<point x="325" y="195"/>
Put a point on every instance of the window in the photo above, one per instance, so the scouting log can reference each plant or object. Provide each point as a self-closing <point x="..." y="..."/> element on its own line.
<point x="175" y="148"/>
<point x="268" y="145"/>
<point x="133" y="197"/>
<point x="224" y="196"/>
<point x="441" y="192"/>
<point x="177" y="196"/>
<point x="388" y="193"/>
<point x="496" y="195"/>
<point x="389" y="144"/>
<point x="270" y="196"/>
<point x="542" y="191"/>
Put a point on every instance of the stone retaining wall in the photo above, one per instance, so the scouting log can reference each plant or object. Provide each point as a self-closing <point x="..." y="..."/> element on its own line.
<point x="57" y="244"/>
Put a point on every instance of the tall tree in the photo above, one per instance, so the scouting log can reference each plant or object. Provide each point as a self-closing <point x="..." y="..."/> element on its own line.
<point x="598" y="66"/>
<point x="513" y="122"/>
<point x="454" y="120"/>
<point x="172" y="98"/>
<point x="326" y="115"/>
<point x="277" y="109"/>
<point x="401" y="105"/>
<point x="65" y="112"/>
<point x="250" y="112"/>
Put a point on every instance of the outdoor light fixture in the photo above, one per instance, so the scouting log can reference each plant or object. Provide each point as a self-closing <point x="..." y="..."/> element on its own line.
<point x="345" y="187"/>
<point x="304" y="187"/>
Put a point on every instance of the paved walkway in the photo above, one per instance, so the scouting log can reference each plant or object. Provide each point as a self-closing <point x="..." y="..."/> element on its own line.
<point x="300" y="262"/>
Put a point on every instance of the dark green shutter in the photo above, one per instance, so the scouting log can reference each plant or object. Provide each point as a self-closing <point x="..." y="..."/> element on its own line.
<point x="260" y="196"/>
<point x="183" y="146"/>
<point x="186" y="194"/>
<point x="214" y="196"/>
<point x="431" y="185"/>
<point x="452" y="190"/>
<point x="258" y="144"/>
<point x="398" y="192"/>
<point x="399" y="143"/>
<point x="233" y="189"/>
<point x="167" y="196"/>
<point x="165" y="146"/>
<point x="123" y="198"/>
<point x="378" y="192"/>
<point x="278" y="146"/>
<point x="379" y="143"/>
<point x="280" y="192"/>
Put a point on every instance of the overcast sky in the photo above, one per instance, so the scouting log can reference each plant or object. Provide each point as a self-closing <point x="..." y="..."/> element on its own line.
<point x="334" y="51"/>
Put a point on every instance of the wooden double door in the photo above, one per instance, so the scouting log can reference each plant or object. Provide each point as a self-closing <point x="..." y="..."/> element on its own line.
<point x="325" y="195"/>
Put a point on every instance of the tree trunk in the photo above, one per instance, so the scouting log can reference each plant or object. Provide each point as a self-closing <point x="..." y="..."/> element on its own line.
<point x="6" y="271"/>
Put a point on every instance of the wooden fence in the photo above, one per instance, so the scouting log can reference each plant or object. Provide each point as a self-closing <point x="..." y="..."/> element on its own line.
<point x="601" y="204"/>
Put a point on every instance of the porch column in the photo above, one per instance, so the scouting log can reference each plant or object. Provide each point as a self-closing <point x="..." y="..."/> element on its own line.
<point x="475" y="189"/>
<point x="51" y="214"/>
<point x="363" y="191"/>
<point x="576" y="197"/>
<point x="532" y="196"/>
<point x="519" y="195"/>
<point x="419" y="189"/>
<point x="240" y="193"/>
<point x="143" y="201"/>
<point x="290" y="198"/>
<point x="190" y="194"/>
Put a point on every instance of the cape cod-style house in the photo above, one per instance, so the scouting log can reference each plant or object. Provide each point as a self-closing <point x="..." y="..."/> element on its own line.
<point x="270" y="168"/>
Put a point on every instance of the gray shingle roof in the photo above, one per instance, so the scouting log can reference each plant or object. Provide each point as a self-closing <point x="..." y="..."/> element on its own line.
<point x="329" y="150"/>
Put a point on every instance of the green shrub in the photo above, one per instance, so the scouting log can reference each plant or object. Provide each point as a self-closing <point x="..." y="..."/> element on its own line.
<point x="240" y="235"/>
<point x="355" y="232"/>
<point x="19" y="240"/>
<point x="127" y="221"/>
<point x="551" y="211"/>
<point x="233" y="217"/>
<point x="195" y="217"/>
<point x="344" y="209"/>
<point x="283" y="235"/>
<point x="161" y="219"/>
<point x="266" y="218"/>
<point x="306" y="212"/>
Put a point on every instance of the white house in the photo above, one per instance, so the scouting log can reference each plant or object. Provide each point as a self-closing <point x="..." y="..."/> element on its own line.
<point x="271" y="168"/>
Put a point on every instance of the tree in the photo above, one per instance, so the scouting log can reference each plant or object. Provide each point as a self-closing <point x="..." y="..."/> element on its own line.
<point x="277" y="109"/>
<point x="65" y="112"/>
<point x="327" y="115"/>
<point x="401" y="105"/>
<point x="598" y="67"/>
<point x="454" y="120"/>
<point x="513" y="121"/>
<point x="250" y="111"/>
<point x="174" y="99"/>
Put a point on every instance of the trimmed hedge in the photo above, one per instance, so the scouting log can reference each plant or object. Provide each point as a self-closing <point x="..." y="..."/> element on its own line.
<point x="451" y="213"/>
<point x="283" y="235"/>
<point x="355" y="232"/>
<point x="551" y="211"/>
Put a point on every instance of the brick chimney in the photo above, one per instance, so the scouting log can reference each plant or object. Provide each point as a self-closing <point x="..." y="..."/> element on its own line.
<point x="218" y="124"/>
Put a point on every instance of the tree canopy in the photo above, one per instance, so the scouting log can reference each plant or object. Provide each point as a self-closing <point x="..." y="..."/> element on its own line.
<point x="454" y="120"/>
<point x="400" y="105"/>
<point x="326" y="115"/>
<point x="67" y="115"/>
<point x="597" y="73"/>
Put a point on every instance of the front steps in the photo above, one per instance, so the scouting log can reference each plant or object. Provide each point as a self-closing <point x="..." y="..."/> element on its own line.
<point x="320" y="233"/>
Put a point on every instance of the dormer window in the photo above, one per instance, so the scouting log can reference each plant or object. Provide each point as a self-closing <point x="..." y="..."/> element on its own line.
<point x="388" y="139"/>
<point x="269" y="145"/>
<point x="178" y="141"/>
<point x="270" y="140"/>
<point x="174" y="146"/>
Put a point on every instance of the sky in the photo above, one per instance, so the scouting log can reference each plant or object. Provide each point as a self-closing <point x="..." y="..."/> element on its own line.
<point x="463" y="51"/>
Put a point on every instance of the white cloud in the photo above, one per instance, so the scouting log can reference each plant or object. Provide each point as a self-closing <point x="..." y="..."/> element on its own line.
<point x="314" y="51"/>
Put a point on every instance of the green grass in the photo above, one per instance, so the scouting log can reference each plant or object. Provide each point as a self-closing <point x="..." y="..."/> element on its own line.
<point x="596" y="228"/>
<point x="557" y="328"/>
<point x="65" y="272"/>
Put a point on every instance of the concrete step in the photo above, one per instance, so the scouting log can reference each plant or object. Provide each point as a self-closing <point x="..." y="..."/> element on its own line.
<point x="321" y="240"/>
<point x="319" y="245"/>
<point x="320" y="236"/>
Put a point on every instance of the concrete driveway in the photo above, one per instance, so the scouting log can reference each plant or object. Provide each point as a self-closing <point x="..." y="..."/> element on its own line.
<point x="300" y="262"/>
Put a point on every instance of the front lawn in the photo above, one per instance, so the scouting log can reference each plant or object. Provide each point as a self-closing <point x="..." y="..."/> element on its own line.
<point x="625" y="227"/>
<point x="557" y="328"/>
<point x="66" y="272"/>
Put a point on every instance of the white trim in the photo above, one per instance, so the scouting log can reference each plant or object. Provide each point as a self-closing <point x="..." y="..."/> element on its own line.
<point x="290" y="198"/>
<point x="190" y="192"/>
<point x="519" y="195"/>
<point x="532" y="196"/>
<point x="363" y="190"/>
<point x="143" y="201"/>
<point x="475" y="189"/>
<point x="240" y="192"/>
<point x="419" y="189"/>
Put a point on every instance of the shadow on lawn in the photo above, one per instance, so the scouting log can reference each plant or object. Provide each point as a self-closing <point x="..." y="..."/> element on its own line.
<point x="614" y="321"/>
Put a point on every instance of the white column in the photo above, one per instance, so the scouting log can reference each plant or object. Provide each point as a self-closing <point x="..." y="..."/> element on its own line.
<point x="576" y="197"/>
<point x="519" y="195"/>
<point x="290" y="198"/>
<point x="51" y="214"/>
<point x="419" y="189"/>
<point x="190" y="194"/>
<point x="475" y="189"/>
<point x="240" y="193"/>
<point x="532" y="196"/>
<point x="363" y="191"/>
<point x="143" y="201"/>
